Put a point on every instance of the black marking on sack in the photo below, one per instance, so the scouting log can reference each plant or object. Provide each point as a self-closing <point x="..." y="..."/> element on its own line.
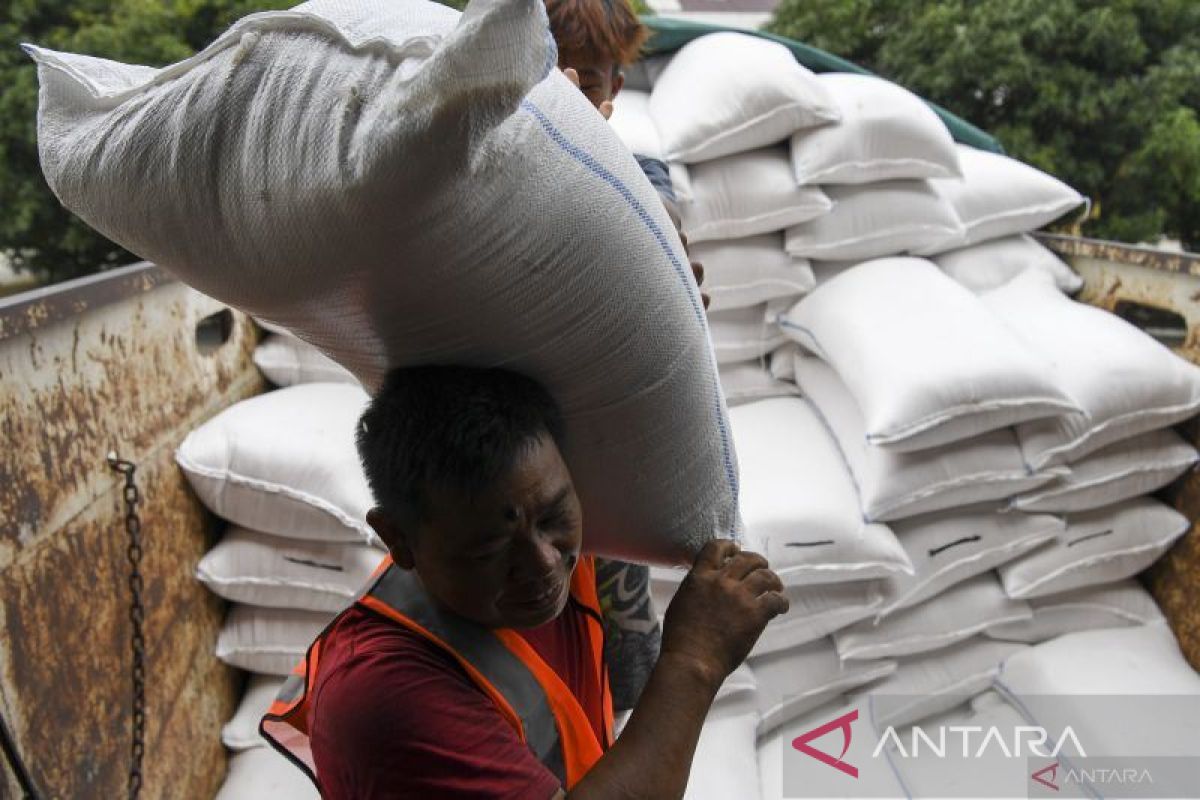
<point x="933" y="551"/>
<point x="1074" y="542"/>
<point x="310" y="563"/>
<point x="808" y="544"/>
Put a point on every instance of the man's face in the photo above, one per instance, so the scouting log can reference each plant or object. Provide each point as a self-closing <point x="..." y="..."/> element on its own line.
<point x="598" y="80"/>
<point x="504" y="558"/>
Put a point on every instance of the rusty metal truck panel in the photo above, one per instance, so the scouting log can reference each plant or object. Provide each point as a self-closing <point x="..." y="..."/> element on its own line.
<point x="128" y="361"/>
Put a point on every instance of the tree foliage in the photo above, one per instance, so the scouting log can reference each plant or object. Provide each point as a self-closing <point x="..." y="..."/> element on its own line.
<point x="35" y="231"/>
<point x="1105" y="95"/>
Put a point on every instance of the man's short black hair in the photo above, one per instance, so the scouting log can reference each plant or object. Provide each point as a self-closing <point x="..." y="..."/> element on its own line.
<point x="449" y="427"/>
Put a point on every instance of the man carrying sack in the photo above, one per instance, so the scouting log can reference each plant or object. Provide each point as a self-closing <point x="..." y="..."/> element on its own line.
<point x="473" y="664"/>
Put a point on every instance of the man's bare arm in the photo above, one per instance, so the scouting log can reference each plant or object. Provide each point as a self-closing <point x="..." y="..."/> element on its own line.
<point x="716" y="617"/>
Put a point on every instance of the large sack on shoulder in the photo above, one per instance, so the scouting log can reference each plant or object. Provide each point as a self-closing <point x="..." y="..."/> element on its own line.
<point x="399" y="184"/>
<point x="886" y="133"/>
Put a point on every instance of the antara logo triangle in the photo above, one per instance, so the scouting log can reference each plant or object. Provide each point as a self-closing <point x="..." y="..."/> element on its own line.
<point x="801" y="743"/>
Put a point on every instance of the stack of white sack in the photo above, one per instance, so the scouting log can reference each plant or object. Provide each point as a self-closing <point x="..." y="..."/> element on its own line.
<point x="1009" y="439"/>
<point x="724" y="132"/>
<point x="282" y="471"/>
<point x="839" y="168"/>
<point x="1091" y="708"/>
<point x="903" y="500"/>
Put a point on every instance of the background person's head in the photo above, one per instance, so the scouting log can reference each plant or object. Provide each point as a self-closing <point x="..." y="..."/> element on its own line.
<point x="472" y="491"/>
<point x="596" y="38"/>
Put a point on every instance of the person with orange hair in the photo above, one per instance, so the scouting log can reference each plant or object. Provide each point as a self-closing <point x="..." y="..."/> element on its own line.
<point x="596" y="39"/>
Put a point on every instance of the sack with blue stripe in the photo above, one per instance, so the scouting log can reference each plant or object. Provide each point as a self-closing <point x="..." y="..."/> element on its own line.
<point x="399" y="184"/>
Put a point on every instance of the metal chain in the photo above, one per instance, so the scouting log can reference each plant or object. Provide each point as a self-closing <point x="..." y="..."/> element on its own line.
<point x="137" y="616"/>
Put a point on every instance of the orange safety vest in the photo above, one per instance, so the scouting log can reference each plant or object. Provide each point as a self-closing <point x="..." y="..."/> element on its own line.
<point x="527" y="692"/>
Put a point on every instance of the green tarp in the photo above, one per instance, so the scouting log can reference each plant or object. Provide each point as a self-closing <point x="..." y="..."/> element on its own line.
<point x="671" y="34"/>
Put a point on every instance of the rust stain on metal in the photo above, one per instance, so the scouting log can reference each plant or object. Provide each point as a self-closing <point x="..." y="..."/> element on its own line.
<point x="79" y="389"/>
<point x="1120" y="253"/>
<point x="67" y="631"/>
<point x="125" y="376"/>
<point x="37" y="308"/>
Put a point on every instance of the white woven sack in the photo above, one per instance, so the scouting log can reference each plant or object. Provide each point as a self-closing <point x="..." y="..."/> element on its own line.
<point x="261" y="773"/>
<point x="285" y="463"/>
<point x="1136" y="660"/>
<point x="632" y="123"/>
<point x="1124" y="382"/>
<point x="744" y="195"/>
<point x="286" y="361"/>
<point x="948" y="769"/>
<point x="798" y="501"/>
<point x="999" y="196"/>
<point x="886" y="133"/>
<point x="741" y="334"/>
<point x="749" y="381"/>
<point x="875" y="220"/>
<point x="956" y="614"/>
<point x="989" y="265"/>
<point x="338" y="212"/>
<point x="1097" y="547"/>
<point x="263" y="570"/>
<point x="725" y="762"/>
<point x="731" y="92"/>
<point x="270" y="641"/>
<point x="894" y="486"/>
<point x="1122" y="470"/>
<point x="241" y="732"/>
<point x="924" y="360"/>
<point x="746" y="272"/>
<point x="952" y="546"/>
<point x="1150" y="691"/>
<point x="1110" y="605"/>
<point x="816" y="612"/>
<point x="795" y="681"/>
<point x="934" y="682"/>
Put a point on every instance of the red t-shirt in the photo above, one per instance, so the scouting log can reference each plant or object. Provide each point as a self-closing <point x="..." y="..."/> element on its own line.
<point x="395" y="716"/>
